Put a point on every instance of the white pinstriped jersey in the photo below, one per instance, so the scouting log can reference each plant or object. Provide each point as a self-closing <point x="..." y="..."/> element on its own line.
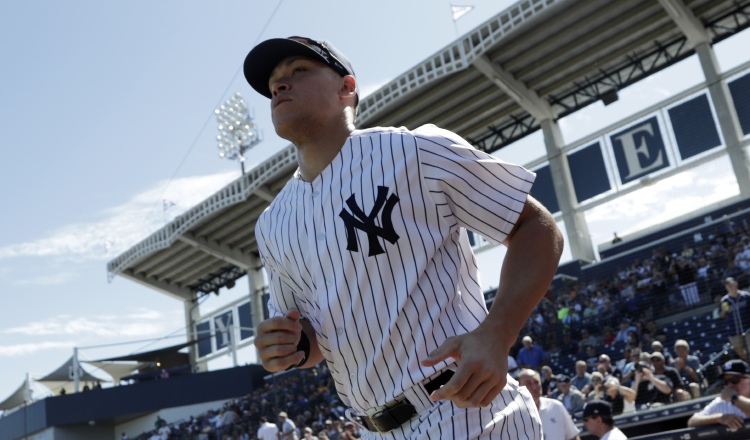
<point x="374" y="252"/>
<point x="719" y="406"/>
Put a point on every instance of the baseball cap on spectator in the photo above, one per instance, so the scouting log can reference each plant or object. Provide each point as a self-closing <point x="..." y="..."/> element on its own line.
<point x="735" y="366"/>
<point x="562" y="378"/>
<point x="264" y="57"/>
<point x="283" y="414"/>
<point x="597" y="408"/>
<point x="308" y="429"/>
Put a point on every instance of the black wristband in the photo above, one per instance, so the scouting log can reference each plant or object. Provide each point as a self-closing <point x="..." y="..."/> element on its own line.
<point x="302" y="345"/>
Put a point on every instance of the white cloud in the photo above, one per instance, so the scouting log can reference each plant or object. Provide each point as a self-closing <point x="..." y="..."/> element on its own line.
<point x="26" y="349"/>
<point x="142" y="323"/>
<point x="121" y="226"/>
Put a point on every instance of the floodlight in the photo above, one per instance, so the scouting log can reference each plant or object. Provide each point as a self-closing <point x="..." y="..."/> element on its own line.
<point x="237" y="131"/>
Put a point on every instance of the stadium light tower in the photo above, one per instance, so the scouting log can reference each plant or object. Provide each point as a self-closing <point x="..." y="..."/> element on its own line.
<point x="237" y="131"/>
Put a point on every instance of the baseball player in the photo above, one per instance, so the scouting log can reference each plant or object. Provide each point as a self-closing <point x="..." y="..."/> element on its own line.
<point x="732" y="406"/>
<point x="370" y="266"/>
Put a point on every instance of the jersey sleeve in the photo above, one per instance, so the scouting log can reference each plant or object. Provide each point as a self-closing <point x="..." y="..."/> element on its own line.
<point x="474" y="189"/>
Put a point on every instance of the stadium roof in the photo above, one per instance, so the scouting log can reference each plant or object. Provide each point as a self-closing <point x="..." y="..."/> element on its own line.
<point x="537" y="59"/>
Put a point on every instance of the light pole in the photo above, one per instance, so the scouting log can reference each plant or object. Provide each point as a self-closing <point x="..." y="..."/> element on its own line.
<point x="237" y="131"/>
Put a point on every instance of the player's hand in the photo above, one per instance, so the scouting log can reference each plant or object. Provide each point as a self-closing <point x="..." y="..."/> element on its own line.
<point x="277" y="341"/>
<point x="482" y="368"/>
<point x="732" y="421"/>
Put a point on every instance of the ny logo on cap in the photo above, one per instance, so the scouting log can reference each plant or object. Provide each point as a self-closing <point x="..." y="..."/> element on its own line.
<point x="366" y="222"/>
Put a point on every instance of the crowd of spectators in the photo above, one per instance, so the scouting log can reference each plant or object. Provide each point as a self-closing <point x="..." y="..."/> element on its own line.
<point x="623" y="307"/>
<point x="304" y="399"/>
<point x="586" y="321"/>
<point x="615" y="316"/>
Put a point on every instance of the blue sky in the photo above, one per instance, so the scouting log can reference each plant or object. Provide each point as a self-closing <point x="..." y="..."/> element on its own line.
<point x="106" y="109"/>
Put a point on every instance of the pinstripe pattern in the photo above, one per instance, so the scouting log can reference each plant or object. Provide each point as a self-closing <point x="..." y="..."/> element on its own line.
<point x="376" y="317"/>
<point x="719" y="406"/>
<point x="511" y="416"/>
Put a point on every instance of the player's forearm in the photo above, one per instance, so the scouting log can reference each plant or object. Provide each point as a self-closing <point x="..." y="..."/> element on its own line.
<point x="534" y="249"/>
<point x="701" y="420"/>
<point x="316" y="356"/>
<point x="743" y="404"/>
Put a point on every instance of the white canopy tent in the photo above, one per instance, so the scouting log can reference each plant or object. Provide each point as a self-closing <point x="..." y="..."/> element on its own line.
<point x="117" y="370"/>
<point x="62" y="378"/>
<point x="19" y="396"/>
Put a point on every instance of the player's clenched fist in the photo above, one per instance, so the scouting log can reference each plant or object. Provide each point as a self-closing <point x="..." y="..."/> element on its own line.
<point x="277" y="341"/>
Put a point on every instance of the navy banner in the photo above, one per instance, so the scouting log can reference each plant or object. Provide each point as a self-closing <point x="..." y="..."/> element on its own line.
<point x="639" y="150"/>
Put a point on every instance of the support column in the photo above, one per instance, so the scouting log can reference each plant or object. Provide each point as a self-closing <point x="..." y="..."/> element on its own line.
<point x="729" y="123"/>
<point x="256" y="289"/>
<point x="579" y="238"/>
<point x="192" y="314"/>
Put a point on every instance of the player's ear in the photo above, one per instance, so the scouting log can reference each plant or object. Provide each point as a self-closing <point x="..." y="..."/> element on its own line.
<point x="348" y="87"/>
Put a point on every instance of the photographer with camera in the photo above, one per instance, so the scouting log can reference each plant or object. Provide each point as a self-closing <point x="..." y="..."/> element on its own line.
<point x="732" y="406"/>
<point x="651" y="389"/>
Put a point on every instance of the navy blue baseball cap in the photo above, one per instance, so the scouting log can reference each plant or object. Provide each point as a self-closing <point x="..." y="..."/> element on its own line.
<point x="597" y="408"/>
<point x="264" y="57"/>
<point x="736" y="367"/>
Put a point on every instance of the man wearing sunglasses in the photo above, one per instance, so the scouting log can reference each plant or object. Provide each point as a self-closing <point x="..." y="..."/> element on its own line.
<point x="732" y="406"/>
<point x="370" y="266"/>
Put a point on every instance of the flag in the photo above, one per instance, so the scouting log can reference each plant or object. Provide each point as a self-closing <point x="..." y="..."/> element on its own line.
<point x="166" y="204"/>
<point x="460" y="10"/>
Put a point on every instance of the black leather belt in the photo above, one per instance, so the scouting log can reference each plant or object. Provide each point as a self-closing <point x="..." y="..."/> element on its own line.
<point x="396" y="415"/>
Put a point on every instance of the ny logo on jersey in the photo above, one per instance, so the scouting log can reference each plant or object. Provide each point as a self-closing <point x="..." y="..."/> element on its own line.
<point x="366" y="223"/>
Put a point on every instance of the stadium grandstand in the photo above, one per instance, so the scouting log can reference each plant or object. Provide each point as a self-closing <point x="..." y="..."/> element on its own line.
<point x="520" y="72"/>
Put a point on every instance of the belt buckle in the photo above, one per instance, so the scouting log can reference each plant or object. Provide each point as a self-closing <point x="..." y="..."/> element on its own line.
<point x="371" y="418"/>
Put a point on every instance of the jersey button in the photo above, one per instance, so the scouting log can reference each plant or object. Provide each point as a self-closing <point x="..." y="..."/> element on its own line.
<point x="321" y="237"/>
<point x="315" y="193"/>
<point x="352" y="376"/>
<point x="329" y="282"/>
<point x="339" y="330"/>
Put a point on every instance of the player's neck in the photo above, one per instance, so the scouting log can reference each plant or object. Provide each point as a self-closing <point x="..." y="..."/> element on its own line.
<point x="315" y="154"/>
